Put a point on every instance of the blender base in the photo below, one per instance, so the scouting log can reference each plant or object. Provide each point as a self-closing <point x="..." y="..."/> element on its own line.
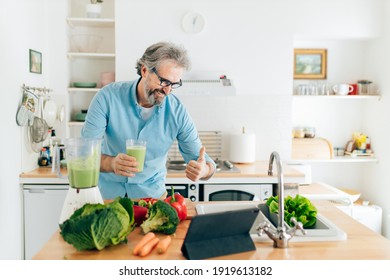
<point x="76" y="198"/>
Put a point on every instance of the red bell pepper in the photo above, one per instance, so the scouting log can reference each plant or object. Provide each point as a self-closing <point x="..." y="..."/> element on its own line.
<point x="177" y="201"/>
<point x="147" y="202"/>
<point x="140" y="214"/>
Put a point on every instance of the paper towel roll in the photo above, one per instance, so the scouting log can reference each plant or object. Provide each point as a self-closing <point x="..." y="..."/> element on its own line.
<point x="242" y="148"/>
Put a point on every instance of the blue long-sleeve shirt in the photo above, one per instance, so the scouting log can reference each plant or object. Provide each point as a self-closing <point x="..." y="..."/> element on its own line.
<point x="115" y="115"/>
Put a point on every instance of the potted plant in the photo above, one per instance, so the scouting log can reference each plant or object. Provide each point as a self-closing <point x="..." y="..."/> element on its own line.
<point x="94" y="9"/>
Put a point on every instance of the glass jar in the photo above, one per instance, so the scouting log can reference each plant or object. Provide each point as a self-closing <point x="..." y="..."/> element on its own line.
<point x="364" y="87"/>
<point x="298" y="132"/>
<point x="310" y="132"/>
<point x="43" y="159"/>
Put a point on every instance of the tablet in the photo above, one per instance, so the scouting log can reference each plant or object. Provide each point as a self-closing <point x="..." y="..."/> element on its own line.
<point x="219" y="234"/>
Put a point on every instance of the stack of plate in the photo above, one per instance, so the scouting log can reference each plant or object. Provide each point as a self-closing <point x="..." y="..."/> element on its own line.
<point x="84" y="85"/>
<point x="80" y="117"/>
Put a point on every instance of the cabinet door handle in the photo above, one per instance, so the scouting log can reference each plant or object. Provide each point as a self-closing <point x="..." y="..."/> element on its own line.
<point x="36" y="191"/>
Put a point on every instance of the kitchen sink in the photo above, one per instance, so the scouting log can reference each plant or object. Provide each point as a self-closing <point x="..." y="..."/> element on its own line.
<point x="323" y="230"/>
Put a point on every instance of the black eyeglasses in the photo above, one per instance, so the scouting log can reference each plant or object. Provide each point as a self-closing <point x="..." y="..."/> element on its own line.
<point x="165" y="82"/>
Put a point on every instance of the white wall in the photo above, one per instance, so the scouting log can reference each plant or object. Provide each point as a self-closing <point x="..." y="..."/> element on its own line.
<point x="236" y="40"/>
<point x="267" y="116"/>
<point x="21" y="29"/>
<point x="24" y="25"/>
<point x="376" y="179"/>
<point x="238" y="44"/>
<point x="252" y="42"/>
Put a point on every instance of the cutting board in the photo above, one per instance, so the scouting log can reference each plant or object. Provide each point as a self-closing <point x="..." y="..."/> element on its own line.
<point x="191" y="211"/>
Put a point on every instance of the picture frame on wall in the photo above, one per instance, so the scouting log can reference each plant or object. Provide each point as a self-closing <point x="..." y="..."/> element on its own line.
<point x="35" y="62"/>
<point x="310" y="63"/>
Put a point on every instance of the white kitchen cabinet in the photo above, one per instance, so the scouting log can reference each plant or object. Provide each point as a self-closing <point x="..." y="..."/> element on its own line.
<point x="370" y="216"/>
<point x="41" y="213"/>
<point x="86" y="64"/>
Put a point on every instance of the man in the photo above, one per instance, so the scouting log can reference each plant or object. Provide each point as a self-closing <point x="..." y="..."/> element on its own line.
<point x="145" y="109"/>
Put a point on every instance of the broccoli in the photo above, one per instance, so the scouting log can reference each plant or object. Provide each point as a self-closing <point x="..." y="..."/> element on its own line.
<point x="162" y="218"/>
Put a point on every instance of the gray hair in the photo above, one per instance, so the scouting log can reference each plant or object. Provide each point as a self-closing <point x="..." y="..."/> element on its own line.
<point x="160" y="52"/>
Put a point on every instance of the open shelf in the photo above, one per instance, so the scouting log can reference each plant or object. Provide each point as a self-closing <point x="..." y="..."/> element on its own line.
<point x="376" y="96"/>
<point x="341" y="159"/>
<point x="90" y="55"/>
<point x="75" y="123"/>
<point x="73" y="89"/>
<point x="91" y="22"/>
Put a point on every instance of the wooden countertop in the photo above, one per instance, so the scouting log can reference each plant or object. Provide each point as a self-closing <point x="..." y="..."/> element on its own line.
<point x="42" y="172"/>
<point x="362" y="243"/>
<point x="257" y="169"/>
<point x="254" y="173"/>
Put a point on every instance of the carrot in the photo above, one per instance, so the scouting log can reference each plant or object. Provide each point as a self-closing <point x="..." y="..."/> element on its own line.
<point x="164" y="244"/>
<point x="148" y="247"/>
<point x="147" y="237"/>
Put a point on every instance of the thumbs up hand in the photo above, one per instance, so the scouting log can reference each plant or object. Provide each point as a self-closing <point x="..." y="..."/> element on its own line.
<point x="201" y="158"/>
<point x="198" y="169"/>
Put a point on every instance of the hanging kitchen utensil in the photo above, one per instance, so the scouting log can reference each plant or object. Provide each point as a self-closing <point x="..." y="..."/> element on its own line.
<point x="36" y="147"/>
<point x="25" y="113"/>
<point x="50" y="112"/>
<point x="39" y="127"/>
<point x="61" y="114"/>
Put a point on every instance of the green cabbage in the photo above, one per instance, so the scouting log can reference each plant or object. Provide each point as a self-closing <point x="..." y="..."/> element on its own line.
<point x="96" y="226"/>
<point x="299" y="207"/>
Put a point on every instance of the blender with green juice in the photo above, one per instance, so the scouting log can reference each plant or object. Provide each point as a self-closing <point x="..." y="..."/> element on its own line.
<point x="83" y="165"/>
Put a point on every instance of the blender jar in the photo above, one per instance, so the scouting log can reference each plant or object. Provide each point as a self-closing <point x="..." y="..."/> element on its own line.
<point x="83" y="165"/>
<point x="83" y="162"/>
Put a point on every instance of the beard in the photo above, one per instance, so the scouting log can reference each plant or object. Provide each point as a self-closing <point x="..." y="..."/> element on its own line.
<point x="155" y="96"/>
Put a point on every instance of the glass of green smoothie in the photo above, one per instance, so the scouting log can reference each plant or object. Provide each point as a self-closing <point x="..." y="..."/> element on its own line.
<point x="137" y="148"/>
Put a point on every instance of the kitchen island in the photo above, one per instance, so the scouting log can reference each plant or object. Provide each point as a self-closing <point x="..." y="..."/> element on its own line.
<point x="44" y="193"/>
<point x="362" y="243"/>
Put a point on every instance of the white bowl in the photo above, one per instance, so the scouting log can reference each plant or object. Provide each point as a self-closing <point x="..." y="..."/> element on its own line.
<point x="85" y="43"/>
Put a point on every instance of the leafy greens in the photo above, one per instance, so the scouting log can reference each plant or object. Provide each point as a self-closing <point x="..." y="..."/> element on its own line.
<point x="299" y="207"/>
<point x="96" y="226"/>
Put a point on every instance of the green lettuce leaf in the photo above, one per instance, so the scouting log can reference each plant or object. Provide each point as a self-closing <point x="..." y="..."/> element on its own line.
<point x="96" y="226"/>
<point x="299" y="207"/>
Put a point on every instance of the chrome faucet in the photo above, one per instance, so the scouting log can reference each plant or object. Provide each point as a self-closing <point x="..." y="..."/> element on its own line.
<point x="282" y="235"/>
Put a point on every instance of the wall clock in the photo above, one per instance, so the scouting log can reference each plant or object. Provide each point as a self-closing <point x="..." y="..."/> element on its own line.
<point x="193" y="23"/>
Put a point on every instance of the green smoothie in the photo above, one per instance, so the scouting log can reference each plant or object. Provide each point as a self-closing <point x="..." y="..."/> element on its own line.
<point x="83" y="178"/>
<point x="83" y="173"/>
<point x="139" y="153"/>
